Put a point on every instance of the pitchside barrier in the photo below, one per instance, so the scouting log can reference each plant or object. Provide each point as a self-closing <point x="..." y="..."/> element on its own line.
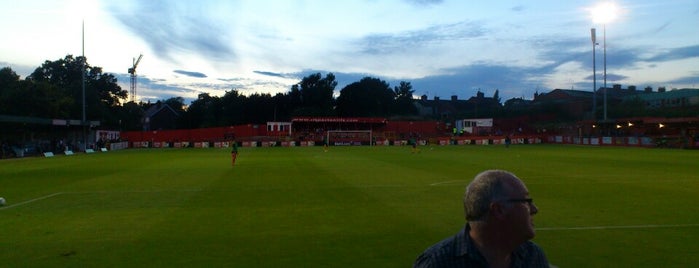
<point x="605" y="141"/>
<point x="307" y="143"/>
<point x="118" y="145"/>
<point x="674" y="142"/>
<point x="385" y="142"/>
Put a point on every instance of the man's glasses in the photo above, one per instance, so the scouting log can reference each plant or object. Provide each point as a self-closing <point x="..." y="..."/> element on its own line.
<point x="529" y="201"/>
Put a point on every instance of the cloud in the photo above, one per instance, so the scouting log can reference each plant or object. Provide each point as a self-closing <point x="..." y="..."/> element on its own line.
<point x="190" y="74"/>
<point x="677" y="54"/>
<point x="466" y="80"/>
<point x="519" y="8"/>
<point x="271" y="74"/>
<point x="662" y="27"/>
<point x="463" y="81"/>
<point x="424" y="2"/>
<point x="688" y="80"/>
<point x="22" y="70"/>
<point x="411" y="40"/>
<point x="453" y="58"/>
<point x="611" y="77"/>
<point x="172" y="27"/>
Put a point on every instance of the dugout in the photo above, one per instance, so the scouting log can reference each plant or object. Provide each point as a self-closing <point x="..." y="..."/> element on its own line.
<point x="29" y="136"/>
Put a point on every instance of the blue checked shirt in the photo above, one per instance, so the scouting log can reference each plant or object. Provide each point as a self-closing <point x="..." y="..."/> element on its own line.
<point x="459" y="251"/>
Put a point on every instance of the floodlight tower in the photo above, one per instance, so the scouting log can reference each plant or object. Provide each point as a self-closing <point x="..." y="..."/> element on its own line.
<point x="604" y="13"/>
<point x="594" y="74"/>
<point x="132" y="71"/>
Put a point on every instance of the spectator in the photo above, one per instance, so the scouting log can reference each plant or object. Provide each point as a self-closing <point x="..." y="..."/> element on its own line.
<point x="498" y="230"/>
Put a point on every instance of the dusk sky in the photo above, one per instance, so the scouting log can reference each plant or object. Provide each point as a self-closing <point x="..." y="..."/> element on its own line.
<point x="442" y="47"/>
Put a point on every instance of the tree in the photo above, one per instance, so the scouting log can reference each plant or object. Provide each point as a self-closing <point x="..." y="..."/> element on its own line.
<point x="368" y="97"/>
<point x="203" y="112"/>
<point x="24" y="98"/>
<point x="259" y="108"/>
<point x="8" y="78"/>
<point x="9" y="86"/>
<point x="283" y="107"/>
<point x="102" y="93"/>
<point x="176" y="103"/>
<point x="130" y="115"/>
<point x="316" y="95"/>
<point x="496" y="96"/>
<point x="233" y="108"/>
<point x="404" y="104"/>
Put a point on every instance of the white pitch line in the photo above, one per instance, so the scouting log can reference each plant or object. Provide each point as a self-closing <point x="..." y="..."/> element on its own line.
<point x="94" y="192"/>
<point x="454" y="182"/>
<point x="647" y="226"/>
<point x="31" y="200"/>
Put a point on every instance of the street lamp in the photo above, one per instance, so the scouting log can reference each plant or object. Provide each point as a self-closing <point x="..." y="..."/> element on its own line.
<point x="604" y="13"/>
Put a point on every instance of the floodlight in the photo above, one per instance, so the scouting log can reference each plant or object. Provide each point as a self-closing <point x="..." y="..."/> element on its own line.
<point x="604" y="13"/>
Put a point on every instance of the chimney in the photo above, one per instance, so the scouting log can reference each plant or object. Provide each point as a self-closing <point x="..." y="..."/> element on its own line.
<point x="436" y="98"/>
<point x="661" y="89"/>
<point x="649" y="89"/>
<point x="454" y="98"/>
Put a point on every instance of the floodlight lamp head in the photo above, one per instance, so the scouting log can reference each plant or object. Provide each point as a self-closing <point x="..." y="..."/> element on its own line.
<point x="604" y="13"/>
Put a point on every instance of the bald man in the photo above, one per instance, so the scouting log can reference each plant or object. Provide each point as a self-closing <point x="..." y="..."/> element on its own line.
<point x="500" y="225"/>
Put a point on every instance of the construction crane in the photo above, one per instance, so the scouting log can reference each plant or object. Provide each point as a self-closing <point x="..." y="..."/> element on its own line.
<point x="132" y="71"/>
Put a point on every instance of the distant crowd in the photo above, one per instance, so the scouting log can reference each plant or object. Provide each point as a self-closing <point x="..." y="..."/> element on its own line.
<point x="11" y="149"/>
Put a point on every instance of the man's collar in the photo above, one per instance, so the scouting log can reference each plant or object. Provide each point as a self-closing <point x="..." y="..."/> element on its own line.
<point x="466" y="247"/>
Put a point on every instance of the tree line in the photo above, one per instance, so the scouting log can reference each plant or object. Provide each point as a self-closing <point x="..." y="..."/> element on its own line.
<point x="54" y="90"/>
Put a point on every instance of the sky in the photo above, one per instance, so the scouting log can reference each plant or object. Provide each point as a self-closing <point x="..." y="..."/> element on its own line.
<point x="442" y="47"/>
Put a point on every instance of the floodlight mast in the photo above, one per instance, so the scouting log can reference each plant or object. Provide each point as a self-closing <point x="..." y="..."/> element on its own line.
<point x="594" y="74"/>
<point x="83" y="70"/>
<point x="132" y="71"/>
<point x="604" y="41"/>
<point x="604" y="13"/>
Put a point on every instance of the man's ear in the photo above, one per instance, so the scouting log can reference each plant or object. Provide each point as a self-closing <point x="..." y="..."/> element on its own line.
<point x="497" y="210"/>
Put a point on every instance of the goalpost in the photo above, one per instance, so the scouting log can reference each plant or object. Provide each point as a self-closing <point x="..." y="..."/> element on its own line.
<point x="349" y="137"/>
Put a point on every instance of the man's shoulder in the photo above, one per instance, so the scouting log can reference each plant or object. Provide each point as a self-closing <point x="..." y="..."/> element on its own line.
<point x="531" y="255"/>
<point x="530" y="246"/>
<point x="442" y="253"/>
<point x="447" y="245"/>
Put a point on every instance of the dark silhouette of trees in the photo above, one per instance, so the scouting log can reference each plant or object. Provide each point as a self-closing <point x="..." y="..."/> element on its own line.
<point x="234" y="108"/>
<point x="404" y="103"/>
<point x="316" y="95"/>
<point x="177" y="104"/>
<point x="130" y="116"/>
<point x="54" y="90"/>
<point x="61" y="82"/>
<point x="202" y="113"/>
<point x="368" y="97"/>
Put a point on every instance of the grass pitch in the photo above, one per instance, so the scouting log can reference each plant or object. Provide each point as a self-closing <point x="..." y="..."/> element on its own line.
<point x="349" y="207"/>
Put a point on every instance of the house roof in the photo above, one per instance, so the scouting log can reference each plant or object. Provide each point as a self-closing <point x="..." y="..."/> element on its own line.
<point x="558" y="94"/>
<point x="156" y="108"/>
<point x="672" y="94"/>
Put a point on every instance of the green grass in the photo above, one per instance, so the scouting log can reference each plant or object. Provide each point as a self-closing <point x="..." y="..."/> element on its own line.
<point x="349" y="207"/>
